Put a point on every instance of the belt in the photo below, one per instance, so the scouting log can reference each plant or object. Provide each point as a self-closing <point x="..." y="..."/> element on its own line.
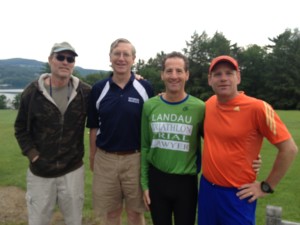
<point x="121" y="152"/>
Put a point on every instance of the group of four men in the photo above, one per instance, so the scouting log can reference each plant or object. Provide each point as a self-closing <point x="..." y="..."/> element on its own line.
<point x="146" y="153"/>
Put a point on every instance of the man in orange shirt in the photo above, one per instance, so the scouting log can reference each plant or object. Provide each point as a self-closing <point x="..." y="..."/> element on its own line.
<point x="235" y="125"/>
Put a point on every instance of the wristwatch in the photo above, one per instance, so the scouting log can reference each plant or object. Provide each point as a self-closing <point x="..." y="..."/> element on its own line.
<point x="265" y="187"/>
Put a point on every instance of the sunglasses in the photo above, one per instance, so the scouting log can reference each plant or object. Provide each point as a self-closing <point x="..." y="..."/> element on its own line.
<point x="61" y="58"/>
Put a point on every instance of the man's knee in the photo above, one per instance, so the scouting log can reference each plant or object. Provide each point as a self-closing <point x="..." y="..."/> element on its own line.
<point x="135" y="218"/>
<point x="114" y="215"/>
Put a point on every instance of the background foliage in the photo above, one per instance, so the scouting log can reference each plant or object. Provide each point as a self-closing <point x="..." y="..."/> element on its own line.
<point x="271" y="72"/>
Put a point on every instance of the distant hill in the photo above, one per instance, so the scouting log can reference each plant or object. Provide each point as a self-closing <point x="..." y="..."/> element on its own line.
<point x="18" y="72"/>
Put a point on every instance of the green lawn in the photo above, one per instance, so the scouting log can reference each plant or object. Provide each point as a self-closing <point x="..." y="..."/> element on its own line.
<point x="13" y="169"/>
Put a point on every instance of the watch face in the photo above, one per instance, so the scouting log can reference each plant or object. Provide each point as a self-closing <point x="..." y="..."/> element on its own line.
<point x="265" y="187"/>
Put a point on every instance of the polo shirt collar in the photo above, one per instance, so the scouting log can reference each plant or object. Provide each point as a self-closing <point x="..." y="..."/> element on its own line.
<point x="132" y="78"/>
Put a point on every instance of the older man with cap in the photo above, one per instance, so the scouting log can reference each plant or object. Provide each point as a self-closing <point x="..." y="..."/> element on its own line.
<point x="235" y="125"/>
<point x="49" y="129"/>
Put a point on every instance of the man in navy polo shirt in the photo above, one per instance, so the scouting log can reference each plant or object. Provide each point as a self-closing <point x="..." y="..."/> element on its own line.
<point x="114" y="120"/>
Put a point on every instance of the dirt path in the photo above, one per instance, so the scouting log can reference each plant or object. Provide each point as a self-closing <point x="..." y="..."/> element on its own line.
<point x="13" y="207"/>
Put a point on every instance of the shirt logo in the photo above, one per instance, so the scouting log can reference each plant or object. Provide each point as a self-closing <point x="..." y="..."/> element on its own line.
<point x="185" y="108"/>
<point x="237" y="109"/>
<point x="134" y="100"/>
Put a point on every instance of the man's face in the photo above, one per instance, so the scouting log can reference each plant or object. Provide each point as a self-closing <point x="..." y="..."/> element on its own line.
<point x="121" y="58"/>
<point x="62" y="64"/>
<point x="224" y="81"/>
<point x="174" y="75"/>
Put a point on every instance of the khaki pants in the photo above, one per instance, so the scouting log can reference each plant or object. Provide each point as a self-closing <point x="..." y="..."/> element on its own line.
<point x="116" y="178"/>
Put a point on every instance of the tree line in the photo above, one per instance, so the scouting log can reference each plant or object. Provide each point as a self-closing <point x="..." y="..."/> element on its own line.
<point x="270" y="72"/>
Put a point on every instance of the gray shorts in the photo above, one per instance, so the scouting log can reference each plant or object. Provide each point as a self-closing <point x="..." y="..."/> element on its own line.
<point x="43" y="194"/>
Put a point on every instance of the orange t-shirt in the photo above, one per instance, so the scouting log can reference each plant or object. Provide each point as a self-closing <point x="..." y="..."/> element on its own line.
<point x="233" y="136"/>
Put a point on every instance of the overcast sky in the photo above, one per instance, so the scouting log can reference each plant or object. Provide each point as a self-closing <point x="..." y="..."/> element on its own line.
<point x="29" y="28"/>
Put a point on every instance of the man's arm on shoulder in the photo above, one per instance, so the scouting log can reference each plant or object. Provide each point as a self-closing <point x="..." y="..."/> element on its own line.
<point x="93" y="147"/>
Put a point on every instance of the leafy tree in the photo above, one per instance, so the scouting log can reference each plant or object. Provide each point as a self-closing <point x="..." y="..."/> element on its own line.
<point x="282" y="79"/>
<point x="45" y="68"/>
<point x="220" y="45"/>
<point x="270" y="72"/>
<point x="16" y="101"/>
<point x="153" y="75"/>
<point x="3" y="102"/>
<point x="151" y="71"/>
<point x="93" y="78"/>
<point x="200" y="51"/>
<point x="252" y="62"/>
<point x="197" y="51"/>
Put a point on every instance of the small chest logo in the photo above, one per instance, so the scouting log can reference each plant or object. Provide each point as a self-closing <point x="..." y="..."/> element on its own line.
<point x="237" y="109"/>
<point x="134" y="100"/>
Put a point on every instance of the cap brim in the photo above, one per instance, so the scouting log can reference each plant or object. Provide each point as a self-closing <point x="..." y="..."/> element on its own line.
<point x="65" y="49"/>
<point x="220" y="59"/>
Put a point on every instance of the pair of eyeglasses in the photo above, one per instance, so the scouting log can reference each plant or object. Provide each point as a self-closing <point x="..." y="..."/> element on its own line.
<point x="126" y="55"/>
<point x="61" y="58"/>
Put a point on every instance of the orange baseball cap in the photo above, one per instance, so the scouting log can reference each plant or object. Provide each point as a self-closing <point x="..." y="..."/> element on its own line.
<point x="223" y="58"/>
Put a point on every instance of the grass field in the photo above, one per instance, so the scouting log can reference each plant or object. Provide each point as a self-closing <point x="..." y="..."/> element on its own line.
<point x="13" y="168"/>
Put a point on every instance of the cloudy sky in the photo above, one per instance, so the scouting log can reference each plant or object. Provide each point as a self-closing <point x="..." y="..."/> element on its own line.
<point x="29" y="28"/>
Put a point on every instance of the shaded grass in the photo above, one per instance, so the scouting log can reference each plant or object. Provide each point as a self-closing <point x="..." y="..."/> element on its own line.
<point x="13" y="166"/>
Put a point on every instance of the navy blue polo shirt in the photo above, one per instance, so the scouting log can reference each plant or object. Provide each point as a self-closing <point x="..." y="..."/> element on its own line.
<point x="116" y="112"/>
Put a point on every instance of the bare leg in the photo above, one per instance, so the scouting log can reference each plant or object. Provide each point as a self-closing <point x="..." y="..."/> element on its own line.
<point x="113" y="217"/>
<point x="135" y="218"/>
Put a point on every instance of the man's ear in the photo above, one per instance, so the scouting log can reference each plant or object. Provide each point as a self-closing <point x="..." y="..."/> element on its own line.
<point x="49" y="58"/>
<point x="161" y="75"/>
<point x="239" y="78"/>
<point x="187" y="76"/>
<point x="208" y="79"/>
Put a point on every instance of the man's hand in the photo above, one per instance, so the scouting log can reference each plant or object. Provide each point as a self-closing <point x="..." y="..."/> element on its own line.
<point x="35" y="158"/>
<point x="146" y="198"/>
<point x="92" y="158"/>
<point x="138" y="77"/>
<point x="257" y="164"/>
<point x="251" y="191"/>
